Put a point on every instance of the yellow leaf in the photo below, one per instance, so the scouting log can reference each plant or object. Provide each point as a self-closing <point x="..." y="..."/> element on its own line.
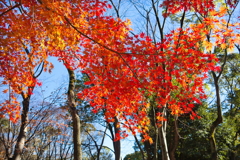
<point x="223" y="45"/>
<point x="148" y="105"/>
<point x="207" y="45"/>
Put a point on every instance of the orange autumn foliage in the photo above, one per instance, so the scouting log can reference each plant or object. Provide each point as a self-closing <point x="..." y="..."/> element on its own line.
<point x="124" y="70"/>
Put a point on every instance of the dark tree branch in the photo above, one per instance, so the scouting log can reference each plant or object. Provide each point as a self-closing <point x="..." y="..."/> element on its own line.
<point x="17" y="5"/>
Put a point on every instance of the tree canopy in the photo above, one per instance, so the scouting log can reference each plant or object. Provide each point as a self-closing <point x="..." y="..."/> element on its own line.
<point x="130" y="75"/>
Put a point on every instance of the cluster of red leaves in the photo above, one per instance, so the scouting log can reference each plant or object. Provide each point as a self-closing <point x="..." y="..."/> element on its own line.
<point x="200" y="6"/>
<point x="33" y="30"/>
<point x="173" y="71"/>
<point x="124" y="71"/>
<point x="10" y="107"/>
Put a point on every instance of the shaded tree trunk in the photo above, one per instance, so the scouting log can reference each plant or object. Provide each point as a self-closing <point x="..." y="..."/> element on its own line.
<point x="218" y="121"/>
<point x="117" y="143"/>
<point x="21" y="139"/>
<point x="139" y="146"/>
<point x="156" y="131"/>
<point x="174" y="143"/>
<point x="75" y="118"/>
<point x="148" y="150"/>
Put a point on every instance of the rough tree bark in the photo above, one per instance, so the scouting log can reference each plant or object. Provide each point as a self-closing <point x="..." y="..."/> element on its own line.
<point x="75" y="117"/>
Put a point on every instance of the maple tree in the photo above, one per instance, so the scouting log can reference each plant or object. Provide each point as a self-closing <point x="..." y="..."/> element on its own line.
<point x="27" y="47"/>
<point x="172" y="69"/>
<point x="215" y="33"/>
<point x="50" y="34"/>
<point x="78" y="33"/>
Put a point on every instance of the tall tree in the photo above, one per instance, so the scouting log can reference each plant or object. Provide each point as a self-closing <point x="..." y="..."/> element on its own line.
<point x="50" y="34"/>
<point x="224" y="51"/>
<point x="184" y="12"/>
<point x="170" y="67"/>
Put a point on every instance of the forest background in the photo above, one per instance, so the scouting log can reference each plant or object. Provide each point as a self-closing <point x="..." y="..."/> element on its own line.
<point x="164" y="73"/>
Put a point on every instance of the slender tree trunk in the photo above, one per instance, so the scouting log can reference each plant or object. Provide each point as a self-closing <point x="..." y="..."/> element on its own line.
<point x="174" y="144"/>
<point x="139" y="146"/>
<point x="148" y="150"/>
<point x="218" y="121"/>
<point x="75" y="117"/>
<point x="156" y="144"/>
<point x="163" y="136"/>
<point x="156" y="130"/>
<point x="23" y="130"/>
<point x="117" y="143"/>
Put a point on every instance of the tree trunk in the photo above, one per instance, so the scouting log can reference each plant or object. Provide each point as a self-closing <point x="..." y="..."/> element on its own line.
<point x="23" y="130"/>
<point x="174" y="144"/>
<point x="148" y="150"/>
<point x="75" y="118"/>
<point x="156" y="144"/>
<point x="163" y="136"/>
<point x="117" y="143"/>
<point x="139" y="146"/>
<point x="156" y="130"/>
<point x="218" y="121"/>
